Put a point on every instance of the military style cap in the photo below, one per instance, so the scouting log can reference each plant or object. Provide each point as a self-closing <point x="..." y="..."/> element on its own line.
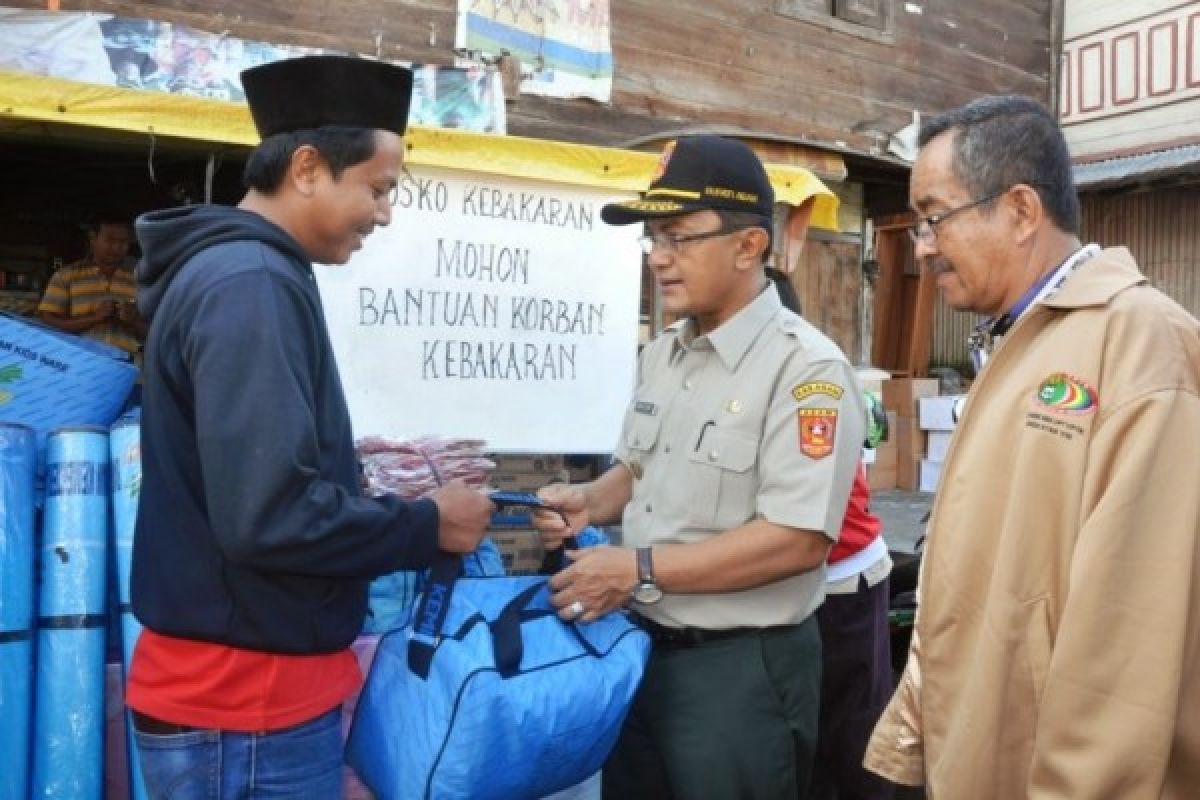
<point x="308" y="92"/>
<point x="697" y="173"/>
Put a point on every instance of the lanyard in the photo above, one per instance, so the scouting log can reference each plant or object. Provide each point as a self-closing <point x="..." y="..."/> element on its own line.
<point x="981" y="340"/>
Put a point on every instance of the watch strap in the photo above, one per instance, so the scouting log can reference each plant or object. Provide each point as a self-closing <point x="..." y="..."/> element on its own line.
<point x="645" y="565"/>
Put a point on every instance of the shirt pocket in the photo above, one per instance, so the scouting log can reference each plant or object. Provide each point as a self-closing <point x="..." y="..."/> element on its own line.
<point x="641" y="435"/>
<point x="722" y="478"/>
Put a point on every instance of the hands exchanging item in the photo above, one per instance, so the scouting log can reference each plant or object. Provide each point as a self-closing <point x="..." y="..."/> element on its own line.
<point x="599" y="580"/>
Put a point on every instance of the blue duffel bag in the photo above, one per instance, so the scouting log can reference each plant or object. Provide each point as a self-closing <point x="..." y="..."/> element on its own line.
<point x="486" y="693"/>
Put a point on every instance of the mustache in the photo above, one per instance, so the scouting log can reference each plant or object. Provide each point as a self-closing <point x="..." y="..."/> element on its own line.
<point x="936" y="265"/>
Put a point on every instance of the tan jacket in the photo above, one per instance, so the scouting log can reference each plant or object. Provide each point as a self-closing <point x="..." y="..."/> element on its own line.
<point x="1057" y="646"/>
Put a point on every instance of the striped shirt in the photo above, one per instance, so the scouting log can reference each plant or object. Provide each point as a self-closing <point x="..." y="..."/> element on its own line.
<point x="78" y="289"/>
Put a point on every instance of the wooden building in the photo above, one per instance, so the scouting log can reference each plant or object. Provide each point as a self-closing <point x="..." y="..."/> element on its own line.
<point x="826" y="84"/>
<point x="1130" y="106"/>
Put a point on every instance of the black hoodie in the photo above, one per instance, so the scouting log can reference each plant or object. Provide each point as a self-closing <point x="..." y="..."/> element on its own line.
<point x="251" y="529"/>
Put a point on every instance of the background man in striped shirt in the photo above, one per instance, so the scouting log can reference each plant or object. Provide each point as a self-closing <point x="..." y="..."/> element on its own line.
<point x="95" y="297"/>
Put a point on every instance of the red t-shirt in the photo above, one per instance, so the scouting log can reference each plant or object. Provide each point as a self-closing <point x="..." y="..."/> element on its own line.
<point x="206" y="685"/>
<point x="860" y="526"/>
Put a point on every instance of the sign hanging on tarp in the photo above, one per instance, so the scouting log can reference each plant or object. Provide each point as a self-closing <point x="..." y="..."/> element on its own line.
<point x="492" y="308"/>
<point x="163" y="57"/>
<point x="564" y="46"/>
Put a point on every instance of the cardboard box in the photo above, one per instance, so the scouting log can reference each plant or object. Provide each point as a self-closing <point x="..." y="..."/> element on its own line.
<point x="931" y="474"/>
<point x="901" y="394"/>
<point x="881" y="477"/>
<point x="524" y="481"/>
<point x="550" y="464"/>
<point x="520" y="549"/>
<point x="910" y="448"/>
<point x="871" y="379"/>
<point x="50" y="379"/>
<point x="937" y="413"/>
<point x="938" y="445"/>
<point x="885" y="455"/>
<point x="581" y="474"/>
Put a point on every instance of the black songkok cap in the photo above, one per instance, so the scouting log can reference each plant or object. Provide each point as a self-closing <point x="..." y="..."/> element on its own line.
<point x="312" y="91"/>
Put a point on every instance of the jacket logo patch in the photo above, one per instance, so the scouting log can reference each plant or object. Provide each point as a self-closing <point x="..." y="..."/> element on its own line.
<point x="803" y="391"/>
<point x="1068" y="395"/>
<point x="817" y="429"/>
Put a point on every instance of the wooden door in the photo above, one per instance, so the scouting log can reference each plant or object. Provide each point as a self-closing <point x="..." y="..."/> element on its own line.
<point x="828" y="281"/>
<point x="904" y="302"/>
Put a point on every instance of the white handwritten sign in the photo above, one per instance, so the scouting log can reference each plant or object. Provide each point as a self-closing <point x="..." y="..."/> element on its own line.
<point x="491" y="307"/>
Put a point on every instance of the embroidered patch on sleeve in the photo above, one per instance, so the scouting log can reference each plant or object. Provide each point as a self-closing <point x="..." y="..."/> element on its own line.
<point x="1064" y="393"/>
<point x="818" y="427"/>
<point x="803" y="391"/>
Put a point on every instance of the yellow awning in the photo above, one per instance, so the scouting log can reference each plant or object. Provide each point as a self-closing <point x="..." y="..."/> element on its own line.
<point x="34" y="97"/>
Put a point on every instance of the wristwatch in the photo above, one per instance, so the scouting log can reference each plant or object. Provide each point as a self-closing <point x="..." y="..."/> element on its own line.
<point x="647" y="590"/>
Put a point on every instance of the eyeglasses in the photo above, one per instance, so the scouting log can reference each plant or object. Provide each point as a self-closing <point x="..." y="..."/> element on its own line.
<point x="925" y="229"/>
<point x="673" y="243"/>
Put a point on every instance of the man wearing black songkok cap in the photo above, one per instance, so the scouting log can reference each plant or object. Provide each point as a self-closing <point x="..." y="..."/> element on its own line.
<point x="254" y="548"/>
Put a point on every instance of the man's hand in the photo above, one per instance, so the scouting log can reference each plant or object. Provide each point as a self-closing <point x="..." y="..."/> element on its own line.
<point x="127" y="313"/>
<point x="105" y="310"/>
<point x="555" y="527"/>
<point x="463" y="516"/>
<point x="600" y="581"/>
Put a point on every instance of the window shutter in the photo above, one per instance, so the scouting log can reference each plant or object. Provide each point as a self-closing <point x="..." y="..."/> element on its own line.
<point x="872" y="13"/>
<point x="798" y="8"/>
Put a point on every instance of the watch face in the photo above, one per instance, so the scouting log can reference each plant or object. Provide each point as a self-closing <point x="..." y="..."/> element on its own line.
<point x="647" y="593"/>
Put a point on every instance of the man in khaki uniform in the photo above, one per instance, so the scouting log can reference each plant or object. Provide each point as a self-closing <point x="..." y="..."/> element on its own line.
<point x="1057" y="646"/>
<point x="735" y="465"/>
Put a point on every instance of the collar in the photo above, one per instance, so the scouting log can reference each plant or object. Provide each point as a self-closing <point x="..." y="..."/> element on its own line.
<point x="1112" y="271"/>
<point x="1044" y="287"/>
<point x="733" y="338"/>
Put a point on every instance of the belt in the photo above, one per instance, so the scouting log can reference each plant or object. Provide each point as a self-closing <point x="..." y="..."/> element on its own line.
<point x="667" y="637"/>
<point x="157" y="727"/>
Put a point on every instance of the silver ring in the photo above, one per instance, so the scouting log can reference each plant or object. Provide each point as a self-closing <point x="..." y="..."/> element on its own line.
<point x="576" y="609"/>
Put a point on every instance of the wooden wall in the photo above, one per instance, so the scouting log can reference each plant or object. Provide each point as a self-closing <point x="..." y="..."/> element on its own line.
<point x="1160" y="226"/>
<point x="737" y="63"/>
<point x="1130" y="76"/>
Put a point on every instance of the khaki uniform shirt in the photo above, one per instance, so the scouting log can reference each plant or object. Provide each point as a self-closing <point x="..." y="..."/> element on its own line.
<point x="762" y="417"/>
<point x="1057" y="646"/>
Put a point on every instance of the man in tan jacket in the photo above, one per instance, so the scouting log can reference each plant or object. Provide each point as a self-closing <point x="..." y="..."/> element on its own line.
<point x="1057" y="646"/>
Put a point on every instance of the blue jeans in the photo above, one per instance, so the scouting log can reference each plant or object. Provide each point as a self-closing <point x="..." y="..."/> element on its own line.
<point x="300" y="762"/>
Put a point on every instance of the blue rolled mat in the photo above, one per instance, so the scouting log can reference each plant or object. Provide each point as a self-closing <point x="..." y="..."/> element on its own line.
<point x="18" y="463"/>
<point x="68" y="751"/>
<point x="124" y="444"/>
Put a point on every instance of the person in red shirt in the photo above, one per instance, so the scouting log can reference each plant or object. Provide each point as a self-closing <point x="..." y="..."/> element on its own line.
<point x="856" y="674"/>
<point x="856" y="664"/>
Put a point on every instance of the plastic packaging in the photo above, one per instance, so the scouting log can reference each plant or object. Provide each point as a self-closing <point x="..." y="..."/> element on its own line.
<point x="18" y="462"/>
<point x="125" y="448"/>
<point x="69" y="710"/>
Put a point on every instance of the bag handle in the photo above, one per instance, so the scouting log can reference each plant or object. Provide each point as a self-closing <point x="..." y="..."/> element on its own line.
<point x="431" y="612"/>
<point x="434" y="605"/>
<point x="507" y="647"/>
